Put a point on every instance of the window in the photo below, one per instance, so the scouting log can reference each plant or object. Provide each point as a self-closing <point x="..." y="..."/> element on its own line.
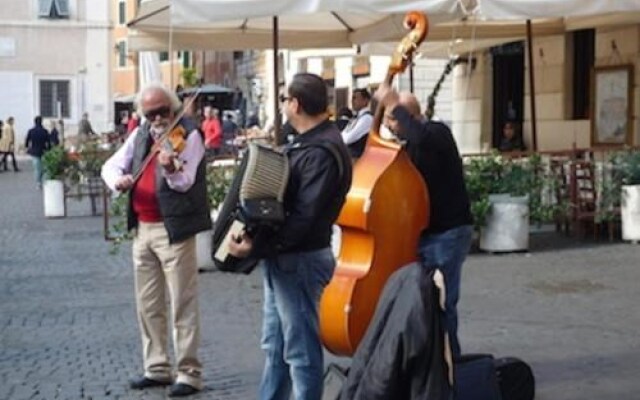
<point x="53" y="9"/>
<point x="163" y="56"/>
<point x="583" y="59"/>
<point x="186" y="59"/>
<point x="52" y="94"/>
<point x="122" y="54"/>
<point x="122" y="12"/>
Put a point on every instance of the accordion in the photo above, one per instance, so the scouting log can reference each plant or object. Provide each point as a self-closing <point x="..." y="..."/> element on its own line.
<point x="254" y="202"/>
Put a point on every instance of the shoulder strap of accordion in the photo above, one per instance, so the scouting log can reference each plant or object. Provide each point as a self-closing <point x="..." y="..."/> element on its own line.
<point x="332" y="148"/>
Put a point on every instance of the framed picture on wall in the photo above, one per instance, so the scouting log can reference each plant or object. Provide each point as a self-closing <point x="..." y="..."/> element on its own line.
<point x="612" y="105"/>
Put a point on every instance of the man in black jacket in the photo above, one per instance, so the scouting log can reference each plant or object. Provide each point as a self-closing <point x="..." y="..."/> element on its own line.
<point x="299" y="263"/>
<point x="432" y="148"/>
<point x="37" y="143"/>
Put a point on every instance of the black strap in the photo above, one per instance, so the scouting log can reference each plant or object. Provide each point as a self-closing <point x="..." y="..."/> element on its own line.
<point x="328" y="146"/>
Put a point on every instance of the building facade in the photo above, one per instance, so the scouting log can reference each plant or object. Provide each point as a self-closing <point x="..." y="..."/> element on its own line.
<point x="564" y="67"/>
<point x="55" y="62"/>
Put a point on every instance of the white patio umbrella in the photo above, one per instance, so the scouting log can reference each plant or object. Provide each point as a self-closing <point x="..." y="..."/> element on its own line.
<point x="249" y="24"/>
<point x="252" y="24"/>
<point x="302" y="24"/>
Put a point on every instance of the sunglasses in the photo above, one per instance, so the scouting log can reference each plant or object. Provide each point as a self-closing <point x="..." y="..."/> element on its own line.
<point x="163" y="112"/>
<point x="284" y="98"/>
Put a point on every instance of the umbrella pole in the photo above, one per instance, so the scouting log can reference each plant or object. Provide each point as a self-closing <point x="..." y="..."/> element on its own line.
<point x="276" y="84"/>
<point x="411" y="75"/>
<point x="534" y="133"/>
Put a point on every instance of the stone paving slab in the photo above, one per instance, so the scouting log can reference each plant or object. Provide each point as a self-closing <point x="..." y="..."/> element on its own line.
<point x="68" y="330"/>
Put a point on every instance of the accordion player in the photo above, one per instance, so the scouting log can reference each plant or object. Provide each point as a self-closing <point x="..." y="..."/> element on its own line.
<point x="254" y="202"/>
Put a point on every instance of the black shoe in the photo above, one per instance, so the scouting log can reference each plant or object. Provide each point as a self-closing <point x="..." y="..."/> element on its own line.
<point x="182" y="389"/>
<point x="144" y="382"/>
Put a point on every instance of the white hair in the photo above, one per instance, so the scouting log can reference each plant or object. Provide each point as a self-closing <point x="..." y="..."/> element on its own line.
<point x="158" y="86"/>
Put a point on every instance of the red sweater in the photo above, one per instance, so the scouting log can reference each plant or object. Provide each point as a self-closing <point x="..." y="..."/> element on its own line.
<point x="145" y="202"/>
<point x="212" y="133"/>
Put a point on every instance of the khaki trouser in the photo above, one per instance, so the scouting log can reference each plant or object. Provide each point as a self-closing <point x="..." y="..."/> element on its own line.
<point x="159" y="266"/>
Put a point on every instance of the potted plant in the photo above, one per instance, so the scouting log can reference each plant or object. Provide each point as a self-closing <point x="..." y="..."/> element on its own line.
<point x="499" y="193"/>
<point x="54" y="165"/>
<point x="626" y="167"/>
<point x="218" y="182"/>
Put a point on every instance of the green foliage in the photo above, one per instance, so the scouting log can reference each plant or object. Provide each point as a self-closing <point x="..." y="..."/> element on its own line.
<point x="189" y="77"/>
<point x="628" y="164"/>
<point x="495" y="174"/>
<point x="218" y="184"/>
<point x="55" y="163"/>
<point x="118" y="217"/>
<point x="623" y="169"/>
<point x="90" y="160"/>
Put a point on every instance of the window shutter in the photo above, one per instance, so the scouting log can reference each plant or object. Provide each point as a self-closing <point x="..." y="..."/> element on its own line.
<point x="63" y="7"/>
<point x="44" y="7"/>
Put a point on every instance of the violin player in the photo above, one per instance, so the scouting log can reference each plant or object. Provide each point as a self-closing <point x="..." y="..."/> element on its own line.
<point x="167" y="207"/>
<point x="433" y="150"/>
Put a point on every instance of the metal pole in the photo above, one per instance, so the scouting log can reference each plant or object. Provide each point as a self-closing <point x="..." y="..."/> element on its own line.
<point x="532" y="94"/>
<point x="411" y="75"/>
<point x="276" y="83"/>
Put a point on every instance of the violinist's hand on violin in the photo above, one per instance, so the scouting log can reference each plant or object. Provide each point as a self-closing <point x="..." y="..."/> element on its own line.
<point x="386" y="95"/>
<point x="167" y="160"/>
<point x="240" y="246"/>
<point x="124" y="183"/>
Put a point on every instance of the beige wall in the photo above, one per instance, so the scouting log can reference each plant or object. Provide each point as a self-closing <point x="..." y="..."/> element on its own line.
<point x="75" y="49"/>
<point x="472" y="113"/>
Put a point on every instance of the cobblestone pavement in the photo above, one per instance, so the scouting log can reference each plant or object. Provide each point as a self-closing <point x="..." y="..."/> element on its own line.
<point x="68" y="330"/>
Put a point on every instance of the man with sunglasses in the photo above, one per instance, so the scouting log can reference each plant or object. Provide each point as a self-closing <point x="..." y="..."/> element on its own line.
<point x="167" y="207"/>
<point x="433" y="150"/>
<point x="297" y="261"/>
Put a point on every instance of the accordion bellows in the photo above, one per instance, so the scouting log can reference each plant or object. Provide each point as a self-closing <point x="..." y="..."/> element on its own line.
<point x="266" y="175"/>
<point x="263" y="184"/>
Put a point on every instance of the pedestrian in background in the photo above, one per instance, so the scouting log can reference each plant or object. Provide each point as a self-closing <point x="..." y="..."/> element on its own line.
<point x="343" y="118"/>
<point x="54" y="135"/>
<point x="37" y="143"/>
<point x="356" y="132"/>
<point x="212" y="132"/>
<point x="7" y="145"/>
<point x="168" y="206"/>
<point x="133" y="122"/>
<point x="84" y="127"/>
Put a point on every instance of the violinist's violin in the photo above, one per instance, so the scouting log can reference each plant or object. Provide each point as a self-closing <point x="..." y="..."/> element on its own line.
<point x="385" y="211"/>
<point x="174" y="140"/>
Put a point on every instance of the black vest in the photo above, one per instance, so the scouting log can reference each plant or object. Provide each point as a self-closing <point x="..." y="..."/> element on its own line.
<point x="357" y="148"/>
<point x="184" y="214"/>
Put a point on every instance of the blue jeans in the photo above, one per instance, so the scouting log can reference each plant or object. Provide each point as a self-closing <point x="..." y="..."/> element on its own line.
<point x="37" y="169"/>
<point x="293" y="284"/>
<point x="447" y="251"/>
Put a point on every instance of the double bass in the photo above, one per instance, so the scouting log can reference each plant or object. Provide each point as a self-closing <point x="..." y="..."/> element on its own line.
<point x="385" y="211"/>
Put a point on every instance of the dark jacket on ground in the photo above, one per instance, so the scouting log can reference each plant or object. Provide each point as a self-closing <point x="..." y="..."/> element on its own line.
<point x="401" y="356"/>
<point x="37" y="141"/>
<point x="315" y="193"/>
<point x="184" y="214"/>
<point x="433" y="150"/>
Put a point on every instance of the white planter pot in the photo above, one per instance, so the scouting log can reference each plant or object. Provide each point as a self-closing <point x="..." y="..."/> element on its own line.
<point x="630" y="212"/>
<point x="53" y="196"/>
<point x="204" y="241"/>
<point x="507" y="225"/>
<point x="203" y="249"/>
